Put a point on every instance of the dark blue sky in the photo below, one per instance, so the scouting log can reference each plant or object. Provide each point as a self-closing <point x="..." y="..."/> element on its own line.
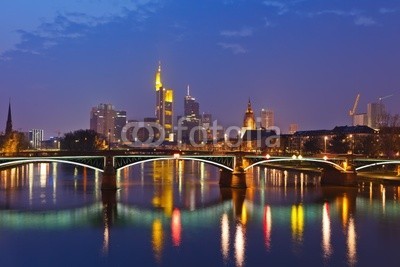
<point x="305" y="59"/>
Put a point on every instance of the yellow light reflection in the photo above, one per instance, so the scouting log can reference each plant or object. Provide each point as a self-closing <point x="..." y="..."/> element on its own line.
<point x="267" y="223"/>
<point x="43" y="173"/>
<point x="176" y="227"/>
<point x="326" y="232"/>
<point x="297" y="221"/>
<point x="345" y="210"/>
<point x="239" y="245"/>
<point x="243" y="217"/>
<point x="157" y="239"/>
<point x="225" y="237"/>
<point x="352" y="243"/>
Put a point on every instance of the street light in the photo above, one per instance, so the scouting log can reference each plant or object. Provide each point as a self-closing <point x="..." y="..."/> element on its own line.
<point x="325" y="138"/>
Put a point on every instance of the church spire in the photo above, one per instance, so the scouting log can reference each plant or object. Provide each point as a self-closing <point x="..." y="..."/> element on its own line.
<point x="158" y="77"/>
<point x="9" y="120"/>
<point x="249" y="108"/>
<point x="188" y="90"/>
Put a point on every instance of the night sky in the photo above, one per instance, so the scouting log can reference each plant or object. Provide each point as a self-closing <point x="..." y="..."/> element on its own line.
<point x="305" y="59"/>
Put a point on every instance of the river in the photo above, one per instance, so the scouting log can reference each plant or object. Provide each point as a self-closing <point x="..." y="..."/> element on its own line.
<point x="174" y="213"/>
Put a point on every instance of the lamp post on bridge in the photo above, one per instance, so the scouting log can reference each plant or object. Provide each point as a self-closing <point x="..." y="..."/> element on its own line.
<point x="325" y="139"/>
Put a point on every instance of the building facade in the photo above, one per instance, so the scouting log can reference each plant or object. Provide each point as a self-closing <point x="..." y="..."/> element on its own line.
<point x="36" y="136"/>
<point x="102" y="120"/>
<point x="119" y="123"/>
<point x="164" y="106"/>
<point x="267" y="118"/>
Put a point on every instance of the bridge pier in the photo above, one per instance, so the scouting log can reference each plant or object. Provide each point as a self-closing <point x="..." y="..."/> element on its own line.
<point x="340" y="178"/>
<point x="235" y="179"/>
<point x="109" y="179"/>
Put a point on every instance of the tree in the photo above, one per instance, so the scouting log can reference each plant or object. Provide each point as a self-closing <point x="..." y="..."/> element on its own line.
<point x="13" y="142"/>
<point x="339" y="144"/>
<point x="83" y="140"/>
<point x="312" y="146"/>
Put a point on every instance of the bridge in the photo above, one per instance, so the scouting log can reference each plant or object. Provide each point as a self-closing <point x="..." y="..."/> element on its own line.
<point x="233" y="165"/>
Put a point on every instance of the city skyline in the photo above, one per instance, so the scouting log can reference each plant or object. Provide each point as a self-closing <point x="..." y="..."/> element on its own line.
<point x="303" y="59"/>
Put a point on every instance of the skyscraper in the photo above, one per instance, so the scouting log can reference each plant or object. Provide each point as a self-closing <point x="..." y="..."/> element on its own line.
<point x="191" y="106"/>
<point x="164" y="106"/>
<point x="9" y="120"/>
<point x="267" y="118"/>
<point x="36" y="137"/>
<point x="102" y="120"/>
<point x="374" y="114"/>
<point x="119" y="123"/>
<point x="190" y="122"/>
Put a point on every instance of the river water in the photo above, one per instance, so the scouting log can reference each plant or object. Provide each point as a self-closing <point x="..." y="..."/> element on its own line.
<point x="174" y="213"/>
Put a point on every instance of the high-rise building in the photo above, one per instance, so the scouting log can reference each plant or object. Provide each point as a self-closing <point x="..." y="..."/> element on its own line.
<point x="164" y="106"/>
<point x="191" y="106"/>
<point x="119" y="123"/>
<point x="360" y="119"/>
<point x="36" y="137"/>
<point x="102" y="120"/>
<point x="267" y="118"/>
<point x="9" y="120"/>
<point x="374" y="114"/>
<point x="191" y="121"/>
<point x="293" y="127"/>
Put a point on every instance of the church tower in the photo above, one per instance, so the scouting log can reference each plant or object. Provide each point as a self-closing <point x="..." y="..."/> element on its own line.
<point x="9" y="120"/>
<point x="249" y="123"/>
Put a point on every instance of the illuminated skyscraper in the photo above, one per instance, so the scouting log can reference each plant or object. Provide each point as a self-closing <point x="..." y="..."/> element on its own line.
<point x="191" y="106"/>
<point x="36" y="138"/>
<point x="267" y="118"/>
<point x="102" y="120"/>
<point x="119" y="123"/>
<point x="164" y="106"/>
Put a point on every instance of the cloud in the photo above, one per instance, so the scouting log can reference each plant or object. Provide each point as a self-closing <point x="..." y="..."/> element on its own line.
<point x="57" y="19"/>
<point x="244" y="32"/>
<point x="282" y="7"/>
<point x="233" y="47"/>
<point x="385" y="10"/>
<point x="364" y="21"/>
<point x="359" y="18"/>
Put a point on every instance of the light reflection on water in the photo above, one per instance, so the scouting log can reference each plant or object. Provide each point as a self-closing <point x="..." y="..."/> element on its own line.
<point x="175" y="213"/>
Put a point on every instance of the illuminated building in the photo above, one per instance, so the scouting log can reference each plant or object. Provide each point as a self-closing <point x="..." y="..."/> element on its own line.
<point x="164" y="106"/>
<point x="375" y="112"/>
<point x="36" y="138"/>
<point x="267" y="118"/>
<point x="191" y="106"/>
<point x="102" y="120"/>
<point x="249" y="123"/>
<point x="191" y="120"/>
<point x="119" y="123"/>
<point x="294" y="127"/>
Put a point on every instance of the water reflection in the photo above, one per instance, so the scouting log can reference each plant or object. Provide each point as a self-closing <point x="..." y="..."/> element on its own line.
<point x="326" y="232"/>
<point x="176" y="227"/>
<point x="267" y="224"/>
<point x="240" y="242"/>
<point x="225" y="237"/>
<point x="352" y="243"/>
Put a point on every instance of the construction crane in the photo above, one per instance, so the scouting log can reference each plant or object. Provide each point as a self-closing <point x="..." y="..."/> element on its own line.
<point x="384" y="97"/>
<point x="353" y="111"/>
